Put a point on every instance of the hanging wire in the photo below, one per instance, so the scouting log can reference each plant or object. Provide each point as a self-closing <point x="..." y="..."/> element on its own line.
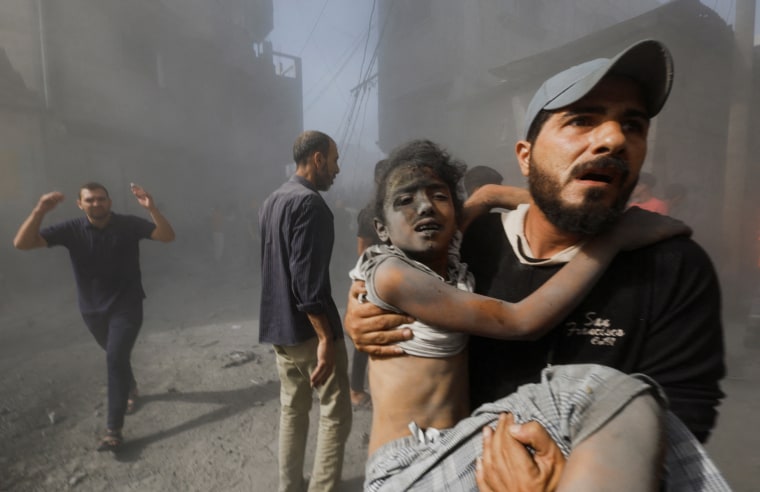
<point x="313" y="28"/>
<point x="365" y="77"/>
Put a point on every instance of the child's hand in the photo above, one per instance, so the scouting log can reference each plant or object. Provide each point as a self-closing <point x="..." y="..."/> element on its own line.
<point x="638" y="228"/>
<point x="491" y="196"/>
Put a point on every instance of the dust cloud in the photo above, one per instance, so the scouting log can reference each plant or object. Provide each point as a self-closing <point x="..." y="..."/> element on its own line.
<point x="199" y="102"/>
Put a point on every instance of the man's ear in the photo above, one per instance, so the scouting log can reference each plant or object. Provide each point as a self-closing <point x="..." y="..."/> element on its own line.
<point x="79" y="204"/>
<point x="318" y="159"/>
<point x="523" y="152"/>
<point x="382" y="231"/>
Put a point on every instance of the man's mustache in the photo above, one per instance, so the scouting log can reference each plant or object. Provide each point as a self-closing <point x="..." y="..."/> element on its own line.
<point x="603" y="162"/>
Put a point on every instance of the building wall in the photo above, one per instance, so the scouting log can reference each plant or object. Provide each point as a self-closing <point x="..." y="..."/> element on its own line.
<point x="20" y="37"/>
<point x="434" y="54"/>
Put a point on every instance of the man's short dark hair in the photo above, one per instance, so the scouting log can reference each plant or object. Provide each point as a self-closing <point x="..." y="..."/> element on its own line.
<point x="309" y="142"/>
<point x="538" y="123"/>
<point x="92" y="186"/>
<point x="422" y="154"/>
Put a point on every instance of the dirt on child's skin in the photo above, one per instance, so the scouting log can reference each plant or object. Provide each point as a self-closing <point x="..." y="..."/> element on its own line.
<point x="208" y="411"/>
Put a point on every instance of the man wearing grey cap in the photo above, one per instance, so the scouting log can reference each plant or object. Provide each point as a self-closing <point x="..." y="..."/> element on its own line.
<point x="655" y="311"/>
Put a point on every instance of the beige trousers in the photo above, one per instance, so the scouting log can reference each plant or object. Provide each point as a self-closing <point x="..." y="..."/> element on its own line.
<point x="294" y="366"/>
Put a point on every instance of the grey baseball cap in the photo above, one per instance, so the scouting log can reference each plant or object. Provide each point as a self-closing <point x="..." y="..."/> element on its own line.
<point x="648" y="62"/>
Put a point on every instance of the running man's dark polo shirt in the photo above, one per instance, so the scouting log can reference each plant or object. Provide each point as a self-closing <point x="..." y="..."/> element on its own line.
<point x="106" y="261"/>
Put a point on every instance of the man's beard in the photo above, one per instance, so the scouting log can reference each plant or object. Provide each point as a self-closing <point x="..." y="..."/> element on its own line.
<point x="324" y="182"/>
<point x="590" y="217"/>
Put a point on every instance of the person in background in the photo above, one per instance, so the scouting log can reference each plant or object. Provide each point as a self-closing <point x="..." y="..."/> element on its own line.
<point x="365" y="237"/>
<point x="344" y="245"/>
<point x="298" y="316"/>
<point x="477" y="176"/>
<point x="104" y="251"/>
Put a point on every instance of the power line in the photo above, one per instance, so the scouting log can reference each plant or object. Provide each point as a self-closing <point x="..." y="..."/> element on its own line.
<point x="364" y="116"/>
<point x="364" y="78"/>
<point x="366" y="43"/>
<point x="335" y="76"/>
<point x="351" y="127"/>
<point x="314" y="28"/>
<point x="344" y="59"/>
<point x="349" y="117"/>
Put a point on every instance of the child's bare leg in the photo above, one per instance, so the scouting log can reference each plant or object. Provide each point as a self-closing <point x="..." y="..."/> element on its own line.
<point x="625" y="454"/>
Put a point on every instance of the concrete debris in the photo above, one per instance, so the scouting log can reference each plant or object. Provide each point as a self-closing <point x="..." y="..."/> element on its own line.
<point x="238" y="358"/>
<point x="77" y="478"/>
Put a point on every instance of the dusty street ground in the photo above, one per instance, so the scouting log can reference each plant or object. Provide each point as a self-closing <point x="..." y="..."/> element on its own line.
<point x="207" y="419"/>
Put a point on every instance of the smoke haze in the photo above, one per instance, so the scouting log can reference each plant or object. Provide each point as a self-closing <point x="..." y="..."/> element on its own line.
<point x="199" y="102"/>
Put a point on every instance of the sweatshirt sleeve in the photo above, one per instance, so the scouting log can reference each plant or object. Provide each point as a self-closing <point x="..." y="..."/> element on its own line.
<point x="684" y="349"/>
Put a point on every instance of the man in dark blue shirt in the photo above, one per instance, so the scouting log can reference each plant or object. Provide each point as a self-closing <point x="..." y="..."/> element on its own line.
<point x="299" y="317"/>
<point x="104" y="251"/>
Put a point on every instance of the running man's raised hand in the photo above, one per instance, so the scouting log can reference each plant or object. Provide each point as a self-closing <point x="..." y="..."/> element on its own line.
<point x="49" y="201"/>
<point x="28" y="235"/>
<point x="163" y="231"/>
<point x="143" y="197"/>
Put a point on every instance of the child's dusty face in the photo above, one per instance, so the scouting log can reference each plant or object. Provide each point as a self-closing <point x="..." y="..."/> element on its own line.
<point x="419" y="213"/>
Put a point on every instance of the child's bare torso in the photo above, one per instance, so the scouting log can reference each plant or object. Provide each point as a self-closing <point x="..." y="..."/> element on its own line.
<point x="432" y="392"/>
